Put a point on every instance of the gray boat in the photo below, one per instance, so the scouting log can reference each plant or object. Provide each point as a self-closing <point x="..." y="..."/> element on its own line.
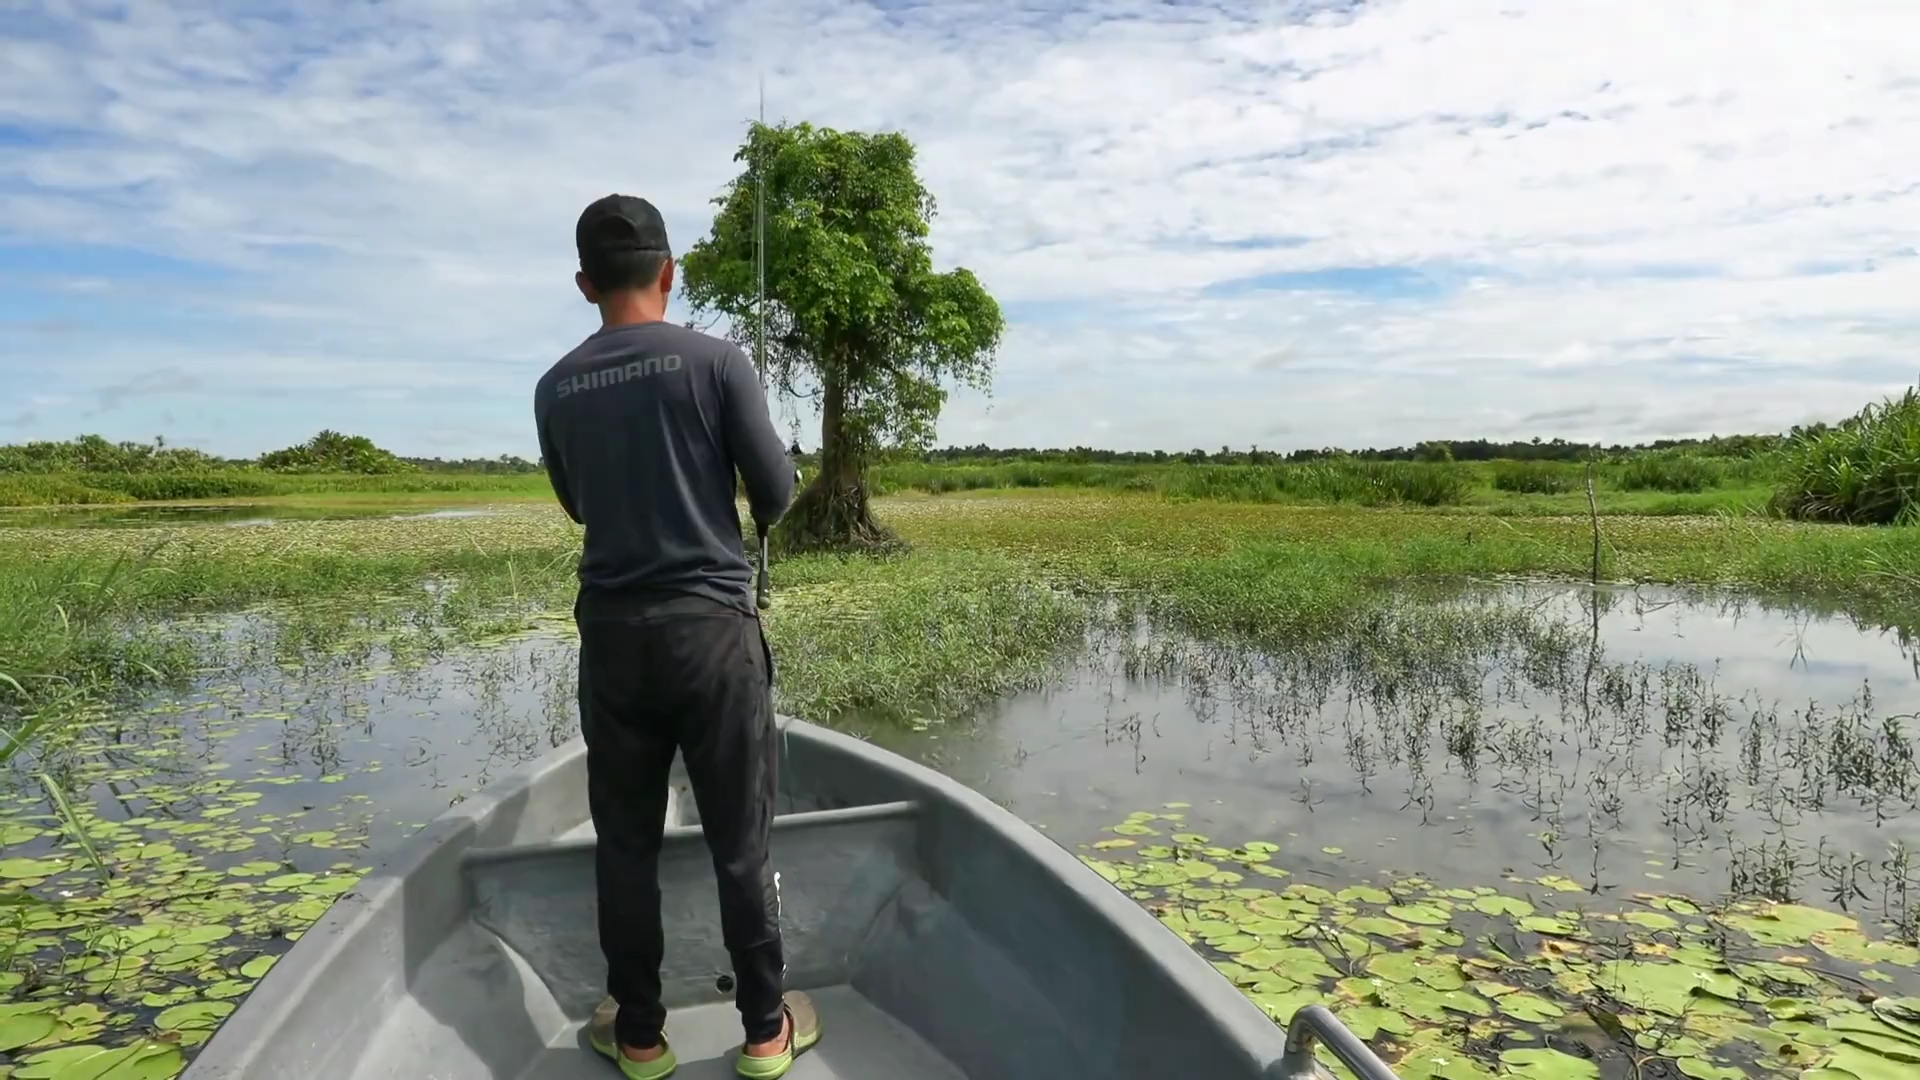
<point x="939" y="935"/>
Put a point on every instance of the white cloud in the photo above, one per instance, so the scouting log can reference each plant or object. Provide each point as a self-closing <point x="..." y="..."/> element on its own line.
<point x="1623" y="200"/>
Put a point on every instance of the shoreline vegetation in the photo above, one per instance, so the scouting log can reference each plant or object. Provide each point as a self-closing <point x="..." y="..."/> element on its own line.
<point x="87" y="614"/>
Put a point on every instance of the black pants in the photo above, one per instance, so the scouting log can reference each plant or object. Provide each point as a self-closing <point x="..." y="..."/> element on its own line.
<point x="693" y="676"/>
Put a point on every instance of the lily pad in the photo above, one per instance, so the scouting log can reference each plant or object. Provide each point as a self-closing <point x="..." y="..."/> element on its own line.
<point x="1421" y="914"/>
<point x="1664" y="987"/>
<point x="142" y="1061"/>
<point x="1702" y="1069"/>
<point x="193" y="1016"/>
<point x="28" y="1025"/>
<point x="1789" y="924"/>
<point x="1528" y="1008"/>
<point x="20" y="869"/>
<point x="1281" y="1005"/>
<point x="1368" y="1021"/>
<point x="1439" y="1063"/>
<point x="1902" y="1014"/>
<point x="1547" y="924"/>
<point x="1863" y="1064"/>
<point x="1502" y="905"/>
<point x="1652" y="920"/>
<point x="1379" y="926"/>
<point x="1541" y="1063"/>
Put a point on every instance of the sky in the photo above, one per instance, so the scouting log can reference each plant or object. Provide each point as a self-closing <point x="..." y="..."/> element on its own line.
<point x="1283" y="224"/>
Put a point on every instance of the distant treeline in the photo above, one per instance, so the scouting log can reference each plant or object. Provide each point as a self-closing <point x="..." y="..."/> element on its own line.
<point x="1729" y="446"/>
<point x="331" y="451"/>
<point x="1862" y="470"/>
<point x="326" y="452"/>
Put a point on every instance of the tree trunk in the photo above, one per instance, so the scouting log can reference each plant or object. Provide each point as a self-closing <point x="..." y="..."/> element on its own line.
<point x="833" y="513"/>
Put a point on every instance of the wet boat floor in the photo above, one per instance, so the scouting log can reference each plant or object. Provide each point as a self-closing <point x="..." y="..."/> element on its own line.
<point x="858" y="1042"/>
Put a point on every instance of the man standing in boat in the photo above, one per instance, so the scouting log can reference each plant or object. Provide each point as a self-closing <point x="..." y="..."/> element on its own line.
<point x="642" y="427"/>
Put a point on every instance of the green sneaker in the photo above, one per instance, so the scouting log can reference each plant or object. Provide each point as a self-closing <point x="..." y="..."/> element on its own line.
<point x="806" y="1032"/>
<point x="600" y="1034"/>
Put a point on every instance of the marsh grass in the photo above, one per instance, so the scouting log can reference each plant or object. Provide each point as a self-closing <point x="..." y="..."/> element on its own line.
<point x="1504" y="486"/>
<point x="1674" y="473"/>
<point x="1498" y="689"/>
<point x="909" y="641"/>
<point x="72" y="626"/>
<point x="1536" y="477"/>
<point x="183" y="485"/>
<point x="96" y="615"/>
<point x="1864" y="471"/>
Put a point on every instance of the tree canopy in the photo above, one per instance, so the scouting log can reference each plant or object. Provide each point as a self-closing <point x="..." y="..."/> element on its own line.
<point x="856" y="317"/>
<point x="331" y="451"/>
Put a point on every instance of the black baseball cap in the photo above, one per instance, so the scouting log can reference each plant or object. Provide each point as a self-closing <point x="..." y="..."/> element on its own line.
<point x="617" y="227"/>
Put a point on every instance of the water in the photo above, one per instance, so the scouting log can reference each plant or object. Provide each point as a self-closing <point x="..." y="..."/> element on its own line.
<point x="1635" y="740"/>
<point x="1630" y="741"/>
<point x="371" y="747"/>
<point x="146" y="515"/>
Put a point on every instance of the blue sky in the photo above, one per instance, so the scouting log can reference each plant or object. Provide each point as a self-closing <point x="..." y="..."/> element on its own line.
<point x="1272" y="223"/>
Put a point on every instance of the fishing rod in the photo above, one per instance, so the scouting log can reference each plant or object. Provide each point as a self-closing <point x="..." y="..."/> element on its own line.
<point x="763" y="585"/>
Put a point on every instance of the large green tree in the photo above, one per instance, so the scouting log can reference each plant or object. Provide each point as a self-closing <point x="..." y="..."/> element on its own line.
<point x="856" y="317"/>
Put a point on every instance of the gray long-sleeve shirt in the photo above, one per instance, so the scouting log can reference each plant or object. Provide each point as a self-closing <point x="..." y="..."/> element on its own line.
<point x="642" y="428"/>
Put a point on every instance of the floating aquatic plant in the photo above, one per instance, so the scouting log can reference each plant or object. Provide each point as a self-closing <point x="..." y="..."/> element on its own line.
<point x="1534" y="980"/>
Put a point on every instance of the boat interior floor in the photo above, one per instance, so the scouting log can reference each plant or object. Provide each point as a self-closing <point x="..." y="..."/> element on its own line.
<point x="858" y="1042"/>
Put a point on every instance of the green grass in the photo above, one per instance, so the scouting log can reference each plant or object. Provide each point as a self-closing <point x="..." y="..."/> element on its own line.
<point x="1652" y="484"/>
<point x="992" y="578"/>
<point x="1666" y="486"/>
<point x="1866" y="470"/>
<point x="97" y="488"/>
<point x="1537" y="477"/>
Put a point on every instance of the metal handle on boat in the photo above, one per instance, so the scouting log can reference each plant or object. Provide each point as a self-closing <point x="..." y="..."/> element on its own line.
<point x="763" y="587"/>
<point x="1316" y="1023"/>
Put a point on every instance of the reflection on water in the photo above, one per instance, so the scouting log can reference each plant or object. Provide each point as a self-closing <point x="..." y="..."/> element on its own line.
<point x="142" y="515"/>
<point x="1622" y="739"/>
<point x="1617" y="738"/>
<point x="376" y="744"/>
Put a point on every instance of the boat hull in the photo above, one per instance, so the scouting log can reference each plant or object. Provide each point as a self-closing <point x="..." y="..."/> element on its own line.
<point x="941" y="936"/>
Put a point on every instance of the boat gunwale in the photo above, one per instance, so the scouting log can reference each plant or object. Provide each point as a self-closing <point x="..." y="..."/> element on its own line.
<point x="1237" y="1019"/>
<point x="284" y="990"/>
